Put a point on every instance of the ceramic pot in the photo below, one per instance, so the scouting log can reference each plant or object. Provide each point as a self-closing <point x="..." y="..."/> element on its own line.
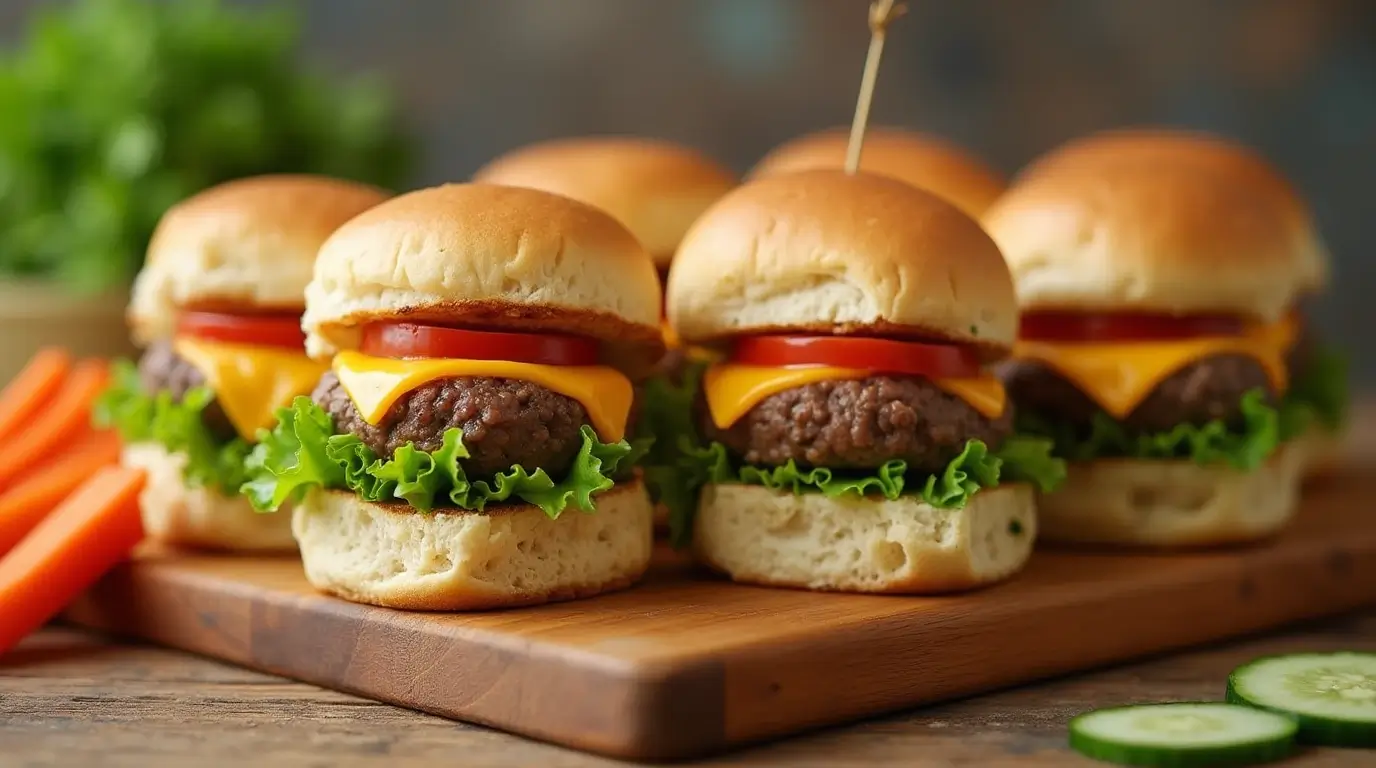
<point x="36" y="314"/>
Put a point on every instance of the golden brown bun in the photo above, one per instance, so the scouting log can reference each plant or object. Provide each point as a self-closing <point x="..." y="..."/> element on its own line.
<point x="852" y="544"/>
<point x="934" y="164"/>
<point x="1135" y="229"/>
<point x="200" y="517"/>
<point x="1227" y="159"/>
<point x="826" y="252"/>
<point x="485" y="256"/>
<point x="1144" y="503"/>
<point x="246" y="243"/>
<point x="393" y="556"/>
<point x="655" y="188"/>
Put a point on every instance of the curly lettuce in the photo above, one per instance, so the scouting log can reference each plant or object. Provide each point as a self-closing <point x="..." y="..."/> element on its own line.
<point x="1319" y="395"/>
<point x="302" y="451"/>
<point x="176" y="425"/>
<point x="1243" y="447"/>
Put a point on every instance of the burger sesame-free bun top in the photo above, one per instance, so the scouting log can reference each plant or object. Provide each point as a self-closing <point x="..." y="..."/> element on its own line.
<point x="655" y="188"/>
<point x="489" y="257"/>
<point x="933" y="164"/>
<point x="248" y="243"/>
<point x="1139" y="229"/>
<point x="1209" y="154"/>
<point x="831" y="253"/>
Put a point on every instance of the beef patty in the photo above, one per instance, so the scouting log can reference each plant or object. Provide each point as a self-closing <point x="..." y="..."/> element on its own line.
<point x="161" y="369"/>
<point x="860" y="424"/>
<point x="1208" y="389"/>
<point x="504" y="421"/>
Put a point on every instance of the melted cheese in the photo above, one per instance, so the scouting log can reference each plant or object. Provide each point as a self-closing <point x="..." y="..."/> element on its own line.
<point x="250" y="382"/>
<point x="375" y="383"/>
<point x="1118" y="376"/>
<point x="734" y="388"/>
<point x="1280" y="334"/>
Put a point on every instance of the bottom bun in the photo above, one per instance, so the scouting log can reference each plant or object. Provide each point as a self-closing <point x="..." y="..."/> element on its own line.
<point x="1323" y="452"/>
<point x="1171" y="503"/>
<point x="200" y="517"/>
<point x="392" y="555"/>
<point x="853" y="544"/>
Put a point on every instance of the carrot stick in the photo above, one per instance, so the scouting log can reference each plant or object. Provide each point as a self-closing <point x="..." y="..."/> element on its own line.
<point x="32" y="498"/>
<point x="27" y="391"/>
<point x="65" y="413"/>
<point x="91" y="532"/>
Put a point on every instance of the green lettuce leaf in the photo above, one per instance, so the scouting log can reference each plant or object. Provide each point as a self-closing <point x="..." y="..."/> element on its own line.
<point x="1321" y="393"/>
<point x="139" y="417"/>
<point x="666" y="417"/>
<point x="1244" y="447"/>
<point x="1021" y="458"/>
<point x="302" y="451"/>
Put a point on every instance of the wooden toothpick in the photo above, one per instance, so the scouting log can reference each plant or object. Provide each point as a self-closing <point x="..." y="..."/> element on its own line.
<point x="882" y="13"/>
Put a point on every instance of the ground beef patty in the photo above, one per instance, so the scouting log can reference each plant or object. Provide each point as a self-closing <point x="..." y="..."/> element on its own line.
<point x="504" y="422"/>
<point x="1208" y="389"/>
<point x="860" y="424"/>
<point x="161" y="369"/>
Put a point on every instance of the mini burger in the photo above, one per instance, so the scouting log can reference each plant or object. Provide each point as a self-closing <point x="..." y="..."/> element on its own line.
<point x="850" y="439"/>
<point x="466" y="447"/>
<point x="1153" y="274"/>
<point x="218" y="306"/>
<point x="930" y="163"/>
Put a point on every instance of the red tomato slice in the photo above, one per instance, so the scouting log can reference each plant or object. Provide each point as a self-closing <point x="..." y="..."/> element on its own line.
<point x="263" y="330"/>
<point x="937" y="361"/>
<point x="409" y="341"/>
<point x="1124" y="326"/>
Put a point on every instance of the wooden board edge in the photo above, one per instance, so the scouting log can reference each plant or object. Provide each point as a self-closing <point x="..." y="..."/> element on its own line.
<point x="661" y="712"/>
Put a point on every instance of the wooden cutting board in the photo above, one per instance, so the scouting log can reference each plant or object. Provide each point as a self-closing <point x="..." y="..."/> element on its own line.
<point x="686" y="665"/>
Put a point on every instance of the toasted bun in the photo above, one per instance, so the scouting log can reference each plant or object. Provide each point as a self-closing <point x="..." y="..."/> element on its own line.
<point x="391" y="555"/>
<point x="655" y="188"/>
<point x="249" y="243"/>
<point x="1144" y="503"/>
<point x="850" y="544"/>
<point x="1229" y="160"/>
<point x="485" y="256"/>
<point x="934" y="164"/>
<point x="200" y="517"/>
<point x="1140" y="229"/>
<point x="827" y="252"/>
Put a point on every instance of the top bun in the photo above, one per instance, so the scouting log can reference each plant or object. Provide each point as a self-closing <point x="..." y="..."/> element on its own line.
<point x="933" y="164"/>
<point x="485" y="256"/>
<point x="827" y="252"/>
<point x="1229" y="160"/>
<point x="1144" y="225"/>
<point x="245" y="244"/>
<point x="654" y="188"/>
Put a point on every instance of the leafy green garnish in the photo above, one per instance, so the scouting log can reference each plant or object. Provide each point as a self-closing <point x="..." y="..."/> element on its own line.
<point x="175" y="425"/>
<point x="1321" y="392"/>
<point x="302" y="451"/>
<point x="116" y="109"/>
<point x="666" y="415"/>
<point x="1244" y="447"/>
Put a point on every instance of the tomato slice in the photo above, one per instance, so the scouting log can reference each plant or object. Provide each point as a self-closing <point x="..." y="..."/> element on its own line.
<point x="937" y="361"/>
<point x="276" y="330"/>
<point x="1124" y="326"/>
<point x="410" y="341"/>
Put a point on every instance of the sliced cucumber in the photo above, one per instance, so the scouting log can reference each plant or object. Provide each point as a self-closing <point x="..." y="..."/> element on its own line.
<point x="1332" y="695"/>
<point x="1183" y="735"/>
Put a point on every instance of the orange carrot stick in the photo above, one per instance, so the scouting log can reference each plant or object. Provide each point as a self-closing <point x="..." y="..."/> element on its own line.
<point x="31" y="499"/>
<point x="66" y="413"/>
<point x="27" y="391"/>
<point x="91" y="532"/>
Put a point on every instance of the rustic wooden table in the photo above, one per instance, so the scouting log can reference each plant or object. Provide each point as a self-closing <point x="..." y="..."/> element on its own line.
<point x="71" y="698"/>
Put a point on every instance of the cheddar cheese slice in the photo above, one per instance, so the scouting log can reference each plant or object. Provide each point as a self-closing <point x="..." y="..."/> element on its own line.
<point x="250" y="381"/>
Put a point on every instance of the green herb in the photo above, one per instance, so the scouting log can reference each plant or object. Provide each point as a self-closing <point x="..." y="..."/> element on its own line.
<point x="175" y="425"/>
<point x="113" y="110"/>
<point x="302" y="451"/>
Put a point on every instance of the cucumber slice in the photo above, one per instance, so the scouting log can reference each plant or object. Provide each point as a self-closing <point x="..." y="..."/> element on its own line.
<point x="1183" y="735"/>
<point x="1332" y="695"/>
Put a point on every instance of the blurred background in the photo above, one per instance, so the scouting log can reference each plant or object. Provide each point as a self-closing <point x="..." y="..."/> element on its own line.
<point x="447" y="84"/>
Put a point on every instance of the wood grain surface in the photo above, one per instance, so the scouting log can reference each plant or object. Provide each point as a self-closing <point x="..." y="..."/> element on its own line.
<point x="68" y="698"/>
<point x="686" y="665"/>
